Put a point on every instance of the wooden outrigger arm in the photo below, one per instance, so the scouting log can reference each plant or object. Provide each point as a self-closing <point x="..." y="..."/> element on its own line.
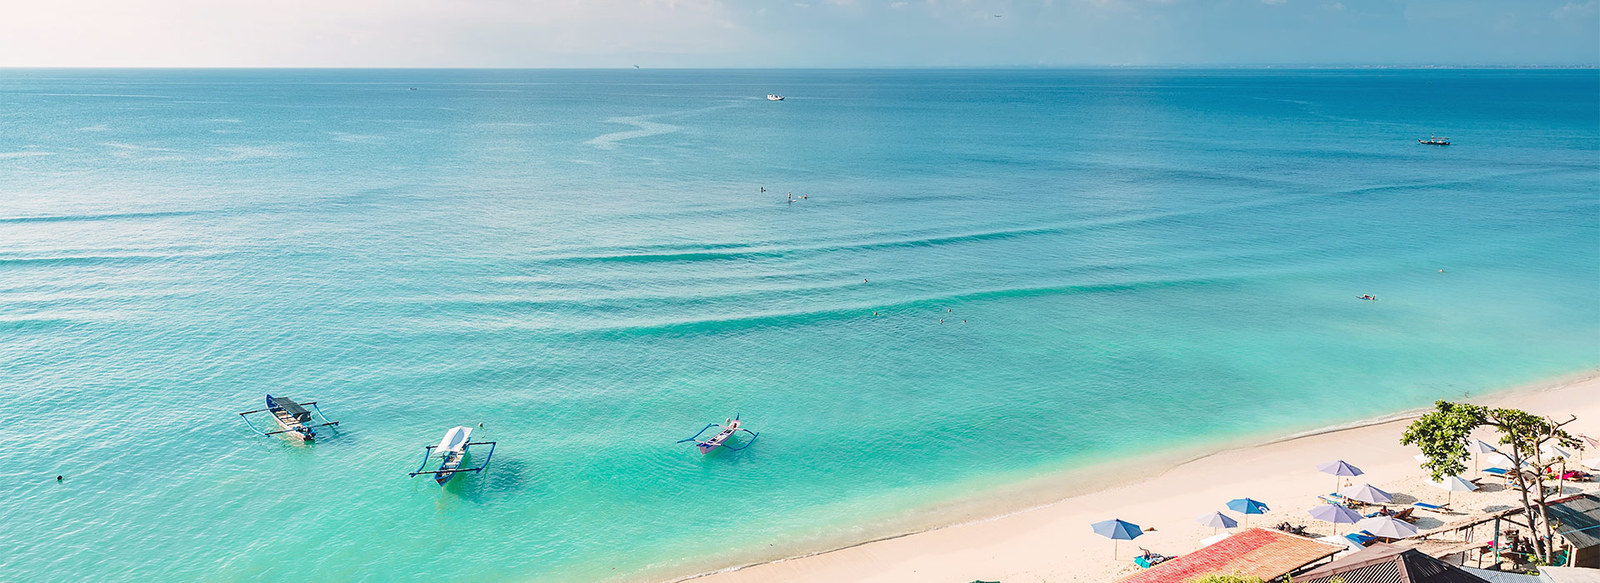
<point x="717" y="440"/>
<point x="427" y="453"/>
<point x="312" y="404"/>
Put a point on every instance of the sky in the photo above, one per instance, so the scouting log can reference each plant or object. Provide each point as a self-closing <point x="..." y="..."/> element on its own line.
<point x="808" y="33"/>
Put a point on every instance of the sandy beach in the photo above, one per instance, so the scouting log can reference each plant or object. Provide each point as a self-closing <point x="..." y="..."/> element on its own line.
<point x="1053" y="542"/>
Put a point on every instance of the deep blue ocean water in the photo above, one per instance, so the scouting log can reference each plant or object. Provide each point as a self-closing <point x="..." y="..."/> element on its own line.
<point x="583" y="261"/>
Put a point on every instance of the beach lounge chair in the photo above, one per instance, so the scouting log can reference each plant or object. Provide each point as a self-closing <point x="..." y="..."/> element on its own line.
<point x="1362" y="538"/>
<point x="1497" y="472"/>
<point x="1405" y="515"/>
<point x="1433" y="507"/>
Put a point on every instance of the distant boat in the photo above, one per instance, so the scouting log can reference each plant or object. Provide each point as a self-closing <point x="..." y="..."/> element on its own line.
<point x="1435" y="141"/>
<point x="774" y="97"/>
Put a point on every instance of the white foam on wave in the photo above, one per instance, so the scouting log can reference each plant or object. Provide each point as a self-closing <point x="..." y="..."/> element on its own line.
<point x="643" y="128"/>
<point x="24" y="154"/>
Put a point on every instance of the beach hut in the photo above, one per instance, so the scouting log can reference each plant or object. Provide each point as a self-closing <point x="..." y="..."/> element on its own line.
<point x="1577" y="522"/>
<point x="1256" y="552"/>
<point x="1388" y="564"/>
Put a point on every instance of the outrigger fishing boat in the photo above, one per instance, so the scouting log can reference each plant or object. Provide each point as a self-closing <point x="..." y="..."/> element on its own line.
<point x="729" y="427"/>
<point x="774" y="97"/>
<point x="452" y="451"/>
<point x="293" y="417"/>
<point x="1435" y="141"/>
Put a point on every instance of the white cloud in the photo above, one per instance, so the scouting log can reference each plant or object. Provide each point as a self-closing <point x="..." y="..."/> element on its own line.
<point x="1573" y="10"/>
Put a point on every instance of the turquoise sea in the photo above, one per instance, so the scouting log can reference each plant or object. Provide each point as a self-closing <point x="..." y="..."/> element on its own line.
<point x="986" y="275"/>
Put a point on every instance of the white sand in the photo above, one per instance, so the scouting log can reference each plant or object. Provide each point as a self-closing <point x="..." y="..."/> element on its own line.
<point x="1054" y="543"/>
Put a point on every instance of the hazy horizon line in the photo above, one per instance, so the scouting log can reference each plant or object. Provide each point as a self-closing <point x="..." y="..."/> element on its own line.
<point x="1290" y="66"/>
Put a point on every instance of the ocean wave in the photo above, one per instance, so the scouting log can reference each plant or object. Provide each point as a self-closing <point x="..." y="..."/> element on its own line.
<point x="98" y="217"/>
<point x="34" y="324"/>
<point x="788" y="319"/>
<point x="96" y="259"/>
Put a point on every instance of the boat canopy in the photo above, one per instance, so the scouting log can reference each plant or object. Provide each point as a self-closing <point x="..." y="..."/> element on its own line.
<point x="454" y="439"/>
<point x="291" y="407"/>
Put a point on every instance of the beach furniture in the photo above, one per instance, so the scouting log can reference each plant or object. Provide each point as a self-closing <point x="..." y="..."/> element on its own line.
<point x="729" y="427"/>
<point x="1361" y="538"/>
<point x="293" y="418"/>
<point x="1338" y="468"/>
<point x="1387" y="527"/>
<point x="1453" y="484"/>
<point x="1405" y="514"/>
<point x="1116" y="529"/>
<point x="1336" y="514"/>
<point x="452" y="450"/>
<point x="1148" y="558"/>
<point x="1368" y="494"/>
<point x="1217" y="520"/>
<point x="1247" y="507"/>
<point x="1441" y="508"/>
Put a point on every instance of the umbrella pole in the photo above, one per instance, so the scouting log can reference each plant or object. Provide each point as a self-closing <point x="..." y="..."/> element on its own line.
<point x="1113" y="549"/>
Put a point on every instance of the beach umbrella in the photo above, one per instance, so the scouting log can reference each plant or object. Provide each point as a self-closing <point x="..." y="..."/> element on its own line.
<point x="1247" y="507"/>
<point x="1589" y="440"/>
<point x="1216" y="520"/>
<point x="1335" y="514"/>
<point x="1338" y="468"/>
<point x="1503" y="461"/>
<point x="1592" y="463"/>
<point x="1479" y="446"/>
<point x="1116" y="530"/>
<point x="1387" y="527"/>
<point x="1367" y="493"/>
<point x="1555" y="451"/>
<point x="1454" y="484"/>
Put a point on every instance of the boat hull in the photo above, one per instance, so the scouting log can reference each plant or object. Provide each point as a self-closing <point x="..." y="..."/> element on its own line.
<point x="294" y="429"/>
<point x="452" y="461"/>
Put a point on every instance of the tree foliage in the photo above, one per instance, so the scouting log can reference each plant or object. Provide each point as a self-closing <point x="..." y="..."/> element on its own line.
<point x="1444" y="432"/>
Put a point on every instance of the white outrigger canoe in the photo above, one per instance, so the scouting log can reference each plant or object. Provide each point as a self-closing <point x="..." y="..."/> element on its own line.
<point x="452" y="450"/>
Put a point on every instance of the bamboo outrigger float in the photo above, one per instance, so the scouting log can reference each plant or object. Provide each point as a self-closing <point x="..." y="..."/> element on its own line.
<point x="729" y="427"/>
<point x="294" y="419"/>
<point x="452" y="451"/>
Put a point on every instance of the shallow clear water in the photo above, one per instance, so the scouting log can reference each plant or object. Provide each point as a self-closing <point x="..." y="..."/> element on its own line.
<point x="583" y="262"/>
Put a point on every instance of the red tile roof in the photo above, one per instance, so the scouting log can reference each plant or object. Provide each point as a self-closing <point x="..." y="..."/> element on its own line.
<point x="1267" y="554"/>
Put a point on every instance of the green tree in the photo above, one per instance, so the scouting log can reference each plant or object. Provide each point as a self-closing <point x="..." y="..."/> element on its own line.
<point x="1443" y="434"/>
